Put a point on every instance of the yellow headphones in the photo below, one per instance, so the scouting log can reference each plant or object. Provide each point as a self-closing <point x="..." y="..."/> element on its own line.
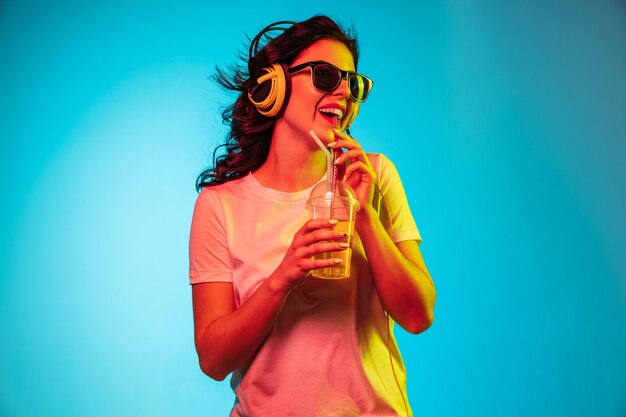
<point x="270" y="90"/>
<point x="270" y="87"/>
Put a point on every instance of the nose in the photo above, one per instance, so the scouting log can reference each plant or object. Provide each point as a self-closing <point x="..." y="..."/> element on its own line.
<point x="344" y="88"/>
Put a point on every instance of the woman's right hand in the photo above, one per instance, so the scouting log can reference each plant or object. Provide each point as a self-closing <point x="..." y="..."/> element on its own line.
<point x="227" y="336"/>
<point x="313" y="238"/>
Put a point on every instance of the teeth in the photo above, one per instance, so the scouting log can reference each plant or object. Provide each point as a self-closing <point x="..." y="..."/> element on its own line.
<point x="333" y="111"/>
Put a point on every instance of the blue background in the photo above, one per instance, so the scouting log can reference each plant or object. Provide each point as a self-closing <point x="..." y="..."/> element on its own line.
<point x="506" y="120"/>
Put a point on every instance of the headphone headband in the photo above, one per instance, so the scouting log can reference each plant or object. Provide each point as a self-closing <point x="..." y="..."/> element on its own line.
<point x="254" y="45"/>
<point x="269" y="87"/>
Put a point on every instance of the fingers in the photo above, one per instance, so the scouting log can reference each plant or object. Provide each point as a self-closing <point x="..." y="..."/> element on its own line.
<point x="312" y="232"/>
<point x="353" y="154"/>
<point x="345" y="143"/>
<point x="322" y="255"/>
<point x="316" y="246"/>
<point x="354" y="151"/>
<point x="316" y="224"/>
<point x="356" y="161"/>
<point x="361" y="168"/>
<point x="344" y="136"/>
<point x="317" y="237"/>
<point x="311" y="264"/>
<point x="343" y="140"/>
<point x="319" y="256"/>
<point x="324" y="247"/>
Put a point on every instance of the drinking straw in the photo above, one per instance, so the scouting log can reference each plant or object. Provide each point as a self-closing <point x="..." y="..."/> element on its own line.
<point x="329" y="160"/>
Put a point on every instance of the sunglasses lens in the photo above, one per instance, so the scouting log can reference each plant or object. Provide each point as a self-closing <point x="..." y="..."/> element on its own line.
<point x="359" y="87"/>
<point x="326" y="77"/>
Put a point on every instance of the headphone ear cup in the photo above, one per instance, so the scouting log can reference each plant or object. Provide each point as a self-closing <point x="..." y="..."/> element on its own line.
<point x="269" y="90"/>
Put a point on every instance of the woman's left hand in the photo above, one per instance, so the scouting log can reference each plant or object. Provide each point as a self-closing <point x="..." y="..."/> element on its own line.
<point x="360" y="174"/>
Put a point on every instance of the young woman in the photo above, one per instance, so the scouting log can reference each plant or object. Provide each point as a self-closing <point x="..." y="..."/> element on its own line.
<point x="298" y="345"/>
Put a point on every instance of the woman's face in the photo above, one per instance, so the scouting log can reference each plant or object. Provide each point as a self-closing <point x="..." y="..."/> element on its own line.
<point x="310" y="108"/>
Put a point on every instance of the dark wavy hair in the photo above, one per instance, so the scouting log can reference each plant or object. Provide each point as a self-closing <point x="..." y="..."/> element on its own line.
<point x="248" y="139"/>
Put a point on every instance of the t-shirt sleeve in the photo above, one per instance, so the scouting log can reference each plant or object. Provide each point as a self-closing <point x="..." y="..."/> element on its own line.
<point x="393" y="206"/>
<point x="209" y="257"/>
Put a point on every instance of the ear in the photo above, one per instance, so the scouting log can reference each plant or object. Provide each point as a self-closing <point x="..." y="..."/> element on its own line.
<point x="351" y="112"/>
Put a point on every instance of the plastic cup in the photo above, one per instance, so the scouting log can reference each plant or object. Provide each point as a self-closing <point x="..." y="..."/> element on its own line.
<point x="342" y="207"/>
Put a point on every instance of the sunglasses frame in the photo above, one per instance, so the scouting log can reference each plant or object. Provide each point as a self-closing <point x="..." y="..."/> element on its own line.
<point x="343" y="74"/>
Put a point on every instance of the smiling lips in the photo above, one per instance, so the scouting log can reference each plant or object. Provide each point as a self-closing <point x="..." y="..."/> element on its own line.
<point x="332" y="112"/>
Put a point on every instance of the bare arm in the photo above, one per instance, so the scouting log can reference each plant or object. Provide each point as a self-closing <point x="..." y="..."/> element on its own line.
<point x="402" y="280"/>
<point x="227" y="337"/>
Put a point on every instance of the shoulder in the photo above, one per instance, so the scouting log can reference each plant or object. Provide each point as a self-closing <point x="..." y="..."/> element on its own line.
<point x="218" y="198"/>
<point x="224" y="190"/>
<point x="382" y="165"/>
<point x="379" y="159"/>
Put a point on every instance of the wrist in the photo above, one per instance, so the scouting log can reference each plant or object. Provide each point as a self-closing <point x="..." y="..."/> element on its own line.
<point x="277" y="286"/>
<point x="366" y="215"/>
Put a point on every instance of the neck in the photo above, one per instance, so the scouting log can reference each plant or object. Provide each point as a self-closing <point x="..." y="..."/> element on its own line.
<point x="292" y="164"/>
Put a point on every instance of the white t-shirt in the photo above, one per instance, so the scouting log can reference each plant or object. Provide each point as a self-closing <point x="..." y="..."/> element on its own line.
<point x="331" y="351"/>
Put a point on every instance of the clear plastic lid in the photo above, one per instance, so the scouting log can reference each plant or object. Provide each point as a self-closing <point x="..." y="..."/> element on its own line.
<point x="325" y="192"/>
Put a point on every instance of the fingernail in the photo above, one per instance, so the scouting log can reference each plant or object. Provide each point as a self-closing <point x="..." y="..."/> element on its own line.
<point x="337" y="260"/>
<point x="344" y="245"/>
<point x="333" y="221"/>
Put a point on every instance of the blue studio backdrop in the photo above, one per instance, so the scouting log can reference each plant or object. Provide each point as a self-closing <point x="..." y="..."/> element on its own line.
<point x="506" y="120"/>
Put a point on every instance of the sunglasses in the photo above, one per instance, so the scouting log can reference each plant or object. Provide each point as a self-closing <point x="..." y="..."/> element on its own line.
<point x="327" y="77"/>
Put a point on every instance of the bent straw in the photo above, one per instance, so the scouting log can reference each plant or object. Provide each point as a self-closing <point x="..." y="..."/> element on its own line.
<point x="332" y="172"/>
<point x="329" y="160"/>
